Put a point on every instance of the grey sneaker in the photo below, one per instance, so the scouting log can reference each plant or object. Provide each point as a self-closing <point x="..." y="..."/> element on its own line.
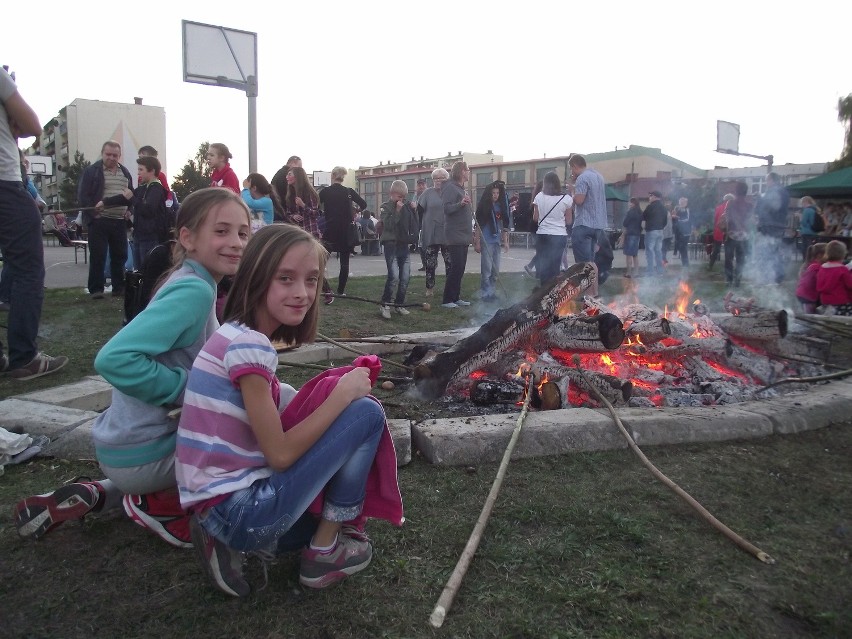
<point x="385" y="312"/>
<point x="42" y="364"/>
<point x="222" y="565"/>
<point x="450" y="305"/>
<point x="462" y="303"/>
<point x="322" y="570"/>
<point x="402" y="310"/>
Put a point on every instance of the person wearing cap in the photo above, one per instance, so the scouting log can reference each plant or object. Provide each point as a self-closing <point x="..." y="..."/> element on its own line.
<point x="654" y="218"/>
<point x="590" y="217"/>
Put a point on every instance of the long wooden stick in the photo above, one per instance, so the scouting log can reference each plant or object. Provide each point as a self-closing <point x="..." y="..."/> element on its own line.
<point x="680" y="492"/>
<point x="445" y="601"/>
<point x="357" y="352"/>
<point x="805" y="380"/>
<point x="317" y="367"/>
<point x="424" y="305"/>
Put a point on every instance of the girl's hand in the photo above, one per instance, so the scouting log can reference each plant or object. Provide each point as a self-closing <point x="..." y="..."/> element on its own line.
<point x="354" y="385"/>
<point x="300" y="202"/>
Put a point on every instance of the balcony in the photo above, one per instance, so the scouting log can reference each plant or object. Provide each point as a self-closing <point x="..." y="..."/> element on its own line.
<point x="64" y="151"/>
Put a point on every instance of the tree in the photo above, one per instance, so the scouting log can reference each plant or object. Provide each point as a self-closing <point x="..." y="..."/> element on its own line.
<point x="68" y="186"/>
<point x="194" y="175"/>
<point x="844" y="115"/>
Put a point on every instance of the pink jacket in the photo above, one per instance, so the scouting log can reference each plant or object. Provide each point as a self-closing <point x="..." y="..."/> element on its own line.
<point x="383" y="499"/>
<point x="834" y="283"/>
<point x="807" y="289"/>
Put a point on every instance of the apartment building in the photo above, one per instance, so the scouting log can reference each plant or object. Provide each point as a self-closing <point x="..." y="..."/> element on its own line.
<point x="84" y="125"/>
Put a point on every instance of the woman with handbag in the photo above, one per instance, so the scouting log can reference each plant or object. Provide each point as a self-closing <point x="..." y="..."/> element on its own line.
<point x="337" y="203"/>
<point x="551" y="211"/>
<point x="301" y="208"/>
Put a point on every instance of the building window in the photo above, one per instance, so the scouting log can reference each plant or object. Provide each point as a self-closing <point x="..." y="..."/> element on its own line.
<point x="516" y="178"/>
<point x="386" y="186"/>
<point x="540" y="173"/>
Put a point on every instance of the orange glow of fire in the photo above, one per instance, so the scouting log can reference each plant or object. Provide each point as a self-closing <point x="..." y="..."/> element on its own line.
<point x="478" y="375"/>
<point x="568" y="307"/>
<point x="730" y="372"/>
<point x="682" y="300"/>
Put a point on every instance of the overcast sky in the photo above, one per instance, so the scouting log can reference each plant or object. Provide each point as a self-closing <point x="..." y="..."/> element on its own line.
<point x="524" y="79"/>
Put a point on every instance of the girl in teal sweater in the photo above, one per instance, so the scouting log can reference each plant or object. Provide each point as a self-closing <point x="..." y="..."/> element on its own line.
<point x="147" y="363"/>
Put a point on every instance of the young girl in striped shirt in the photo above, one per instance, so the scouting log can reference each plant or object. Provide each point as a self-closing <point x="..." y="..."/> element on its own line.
<point x="248" y="481"/>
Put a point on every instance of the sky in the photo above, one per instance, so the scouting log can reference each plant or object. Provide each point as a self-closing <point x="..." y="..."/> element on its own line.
<point x="358" y="83"/>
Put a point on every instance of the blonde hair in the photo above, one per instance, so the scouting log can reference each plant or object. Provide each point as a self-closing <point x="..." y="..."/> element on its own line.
<point x="807" y="201"/>
<point x="835" y="251"/>
<point x="338" y="173"/>
<point x="220" y="149"/>
<point x="399" y="187"/>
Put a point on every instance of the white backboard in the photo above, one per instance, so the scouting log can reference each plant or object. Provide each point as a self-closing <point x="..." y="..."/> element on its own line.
<point x="727" y="137"/>
<point x="40" y="165"/>
<point x="219" y="55"/>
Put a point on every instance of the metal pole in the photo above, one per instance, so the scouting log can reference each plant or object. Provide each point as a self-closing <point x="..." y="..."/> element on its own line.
<point x="251" y="93"/>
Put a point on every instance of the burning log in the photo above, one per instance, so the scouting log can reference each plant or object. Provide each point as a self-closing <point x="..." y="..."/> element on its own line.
<point x="616" y="390"/>
<point x="762" y="325"/>
<point x="601" y="332"/>
<point x="508" y="328"/>
<point x="650" y="331"/>
<point x="485" y="392"/>
<point x="736" y="304"/>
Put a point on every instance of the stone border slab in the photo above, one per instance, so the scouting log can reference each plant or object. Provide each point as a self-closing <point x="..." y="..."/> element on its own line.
<point x="90" y="393"/>
<point x="41" y="419"/>
<point x="483" y="438"/>
<point x="806" y="410"/>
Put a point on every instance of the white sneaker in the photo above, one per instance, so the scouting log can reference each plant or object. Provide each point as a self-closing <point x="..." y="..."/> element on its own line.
<point x="450" y="305"/>
<point x="462" y="303"/>
<point x="385" y="311"/>
<point x="402" y="310"/>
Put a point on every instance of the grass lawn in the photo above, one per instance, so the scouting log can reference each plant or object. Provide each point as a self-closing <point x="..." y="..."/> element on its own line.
<point x="586" y="545"/>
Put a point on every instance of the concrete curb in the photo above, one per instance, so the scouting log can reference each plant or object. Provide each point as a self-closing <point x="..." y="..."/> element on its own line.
<point x="66" y="413"/>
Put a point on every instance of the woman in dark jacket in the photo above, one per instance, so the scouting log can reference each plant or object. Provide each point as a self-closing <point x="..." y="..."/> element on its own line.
<point x="336" y="200"/>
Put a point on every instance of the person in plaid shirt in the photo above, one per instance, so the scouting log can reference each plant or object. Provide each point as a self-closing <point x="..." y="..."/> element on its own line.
<point x="302" y="209"/>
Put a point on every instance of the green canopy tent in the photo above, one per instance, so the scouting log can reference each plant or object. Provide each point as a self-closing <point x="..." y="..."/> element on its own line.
<point x="828" y="185"/>
<point x="613" y="193"/>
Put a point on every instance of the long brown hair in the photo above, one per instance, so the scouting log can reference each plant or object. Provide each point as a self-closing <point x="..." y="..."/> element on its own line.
<point x="258" y="266"/>
<point x="302" y="188"/>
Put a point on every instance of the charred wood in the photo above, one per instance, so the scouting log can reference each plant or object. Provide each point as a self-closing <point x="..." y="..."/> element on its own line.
<point x="508" y="328"/>
<point x="486" y="391"/>
<point x="600" y="332"/>
<point x="762" y="325"/>
<point x="650" y="331"/>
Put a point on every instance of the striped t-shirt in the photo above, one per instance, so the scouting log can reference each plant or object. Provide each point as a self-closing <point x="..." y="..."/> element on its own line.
<point x="217" y="453"/>
<point x="114" y="184"/>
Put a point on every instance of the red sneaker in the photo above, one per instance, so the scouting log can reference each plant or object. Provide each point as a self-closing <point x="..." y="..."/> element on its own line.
<point x="38" y="515"/>
<point x="162" y="514"/>
<point x="320" y="570"/>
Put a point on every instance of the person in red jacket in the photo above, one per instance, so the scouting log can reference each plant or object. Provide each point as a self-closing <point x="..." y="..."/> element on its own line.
<point x="223" y="175"/>
<point x="718" y="233"/>
<point x="834" y="280"/>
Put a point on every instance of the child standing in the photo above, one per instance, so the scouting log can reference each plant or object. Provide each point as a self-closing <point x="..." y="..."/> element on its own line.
<point x="806" y="291"/>
<point x="397" y="221"/>
<point x="493" y="222"/>
<point x="250" y="482"/>
<point x="834" y="280"/>
<point x="257" y="194"/>
<point x="151" y="223"/>
<point x="223" y="175"/>
<point x="147" y="362"/>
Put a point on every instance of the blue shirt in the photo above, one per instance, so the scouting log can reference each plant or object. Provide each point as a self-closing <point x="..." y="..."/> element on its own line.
<point x="592" y="212"/>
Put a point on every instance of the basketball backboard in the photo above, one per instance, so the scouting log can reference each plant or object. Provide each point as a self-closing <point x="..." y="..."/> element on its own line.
<point x="727" y="137"/>
<point x="220" y="56"/>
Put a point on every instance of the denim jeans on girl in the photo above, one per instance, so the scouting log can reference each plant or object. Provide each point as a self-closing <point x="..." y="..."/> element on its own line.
<point x="398" y="262"/>
<point x="269" y="514"/>
<point x="548" y="255"/>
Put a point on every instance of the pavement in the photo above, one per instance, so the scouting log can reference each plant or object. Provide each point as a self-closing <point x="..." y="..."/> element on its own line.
<point x="65" y="414"/>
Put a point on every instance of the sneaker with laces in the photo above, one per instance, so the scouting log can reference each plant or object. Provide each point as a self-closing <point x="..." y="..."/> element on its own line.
<point x="450" y="305"/>
<point x="529" y="270"/>
<point x="385" y="312"/>
<point x="42" y="364"/>
<point x="320" y="570"/>
<point x="222" y="565"/>
<point x="402" y="310"/>
<point x="38" y="515"/>
<point x="462" y="303"/>
<point x="160" y="513"/>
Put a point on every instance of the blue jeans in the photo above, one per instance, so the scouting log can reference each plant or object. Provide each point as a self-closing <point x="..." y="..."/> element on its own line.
<point x="583" y="239"/>
<point x="399" y="271"/>
<point x="548" y="255"/>
<point x="23" y="260"/>
<point x="141" y="248"/>
<point x="489" y="268"/>
<point x="271" y="512"/>
<point x="654" y="250"/>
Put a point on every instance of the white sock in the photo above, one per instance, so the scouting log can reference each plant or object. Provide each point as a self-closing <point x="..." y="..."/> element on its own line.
<point x="324" y="549"/>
